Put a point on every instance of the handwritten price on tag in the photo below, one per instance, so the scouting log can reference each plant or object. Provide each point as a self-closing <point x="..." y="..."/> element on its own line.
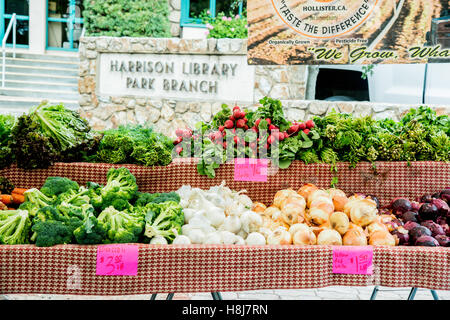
<point x="117" y="259"/>
<point x="353" y="260"/>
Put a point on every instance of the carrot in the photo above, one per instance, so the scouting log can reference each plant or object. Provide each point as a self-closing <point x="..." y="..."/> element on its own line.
<point x="19" y="190"/>
<point x="18" y="198"/>
<point x="6" y="199"/>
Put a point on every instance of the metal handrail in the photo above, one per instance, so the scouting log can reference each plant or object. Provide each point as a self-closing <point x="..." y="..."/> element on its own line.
<point x="12" y="24"/>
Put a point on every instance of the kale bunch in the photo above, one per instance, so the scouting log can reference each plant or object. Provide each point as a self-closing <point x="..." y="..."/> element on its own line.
<point x="134" y="144"/>
<point x="50" y="133"/>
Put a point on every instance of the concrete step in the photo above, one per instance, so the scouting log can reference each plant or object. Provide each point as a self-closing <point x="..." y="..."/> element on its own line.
<point x="42" y="70"/>
<point x="41" y="94"/>
<point x="44" y="78"/>
<point x="41" y="85"/>
<point x="41" y="63"/>
<point x="19" y="105"/>
<point x="47" y="56"/>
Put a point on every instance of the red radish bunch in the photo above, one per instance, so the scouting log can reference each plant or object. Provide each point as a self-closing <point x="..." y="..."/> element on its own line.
<point x="296" y="127"/>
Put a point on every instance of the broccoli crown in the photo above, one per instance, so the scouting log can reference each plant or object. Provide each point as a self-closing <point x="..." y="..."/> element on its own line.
<point x="35" y="200"/>
<point x="121" y="227"/>
<point x="163" y="219"/>
<point x="144" y="198"/>
<point x="94" y="194"/>
<point x="74" y="211"/>
<point x="77" y="197"/>
<point x="54" y="186"/>
<point x="90" y="231"/>
<point x="120" y="184"/>
<point x="14" y="226"/>
<point x="51" y="232"/>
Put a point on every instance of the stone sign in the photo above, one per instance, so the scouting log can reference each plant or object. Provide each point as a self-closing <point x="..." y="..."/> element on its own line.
<point x="176" y="76"/>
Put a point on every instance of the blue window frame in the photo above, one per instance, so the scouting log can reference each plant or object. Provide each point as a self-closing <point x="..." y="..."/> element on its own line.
<point x="20" y="8"/>
<point x="188" y="7"/>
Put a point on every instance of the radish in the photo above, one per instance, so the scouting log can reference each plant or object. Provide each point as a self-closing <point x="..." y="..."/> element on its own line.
<point x="257" y="122"/>
<point x="306" y="131"/>
<point x="224" y="145"/>
<point x="229" y="124"/>
<point x="272" y="127"/>
<point x="236" y="108"/>
<point x="245" y="119"/>
<point x="232" y="118"/>
<point x="237" y="114"/>
<point x="254" y="129"/>
<point x="309" y="124"/>
<point x="236" y="139"/>
<point x="178" y="140"/>
<point x="187" y="133"/>
<point x="240" y="123"/>
<point x="221" y="128"/>
<point x="294" y="128"/>
<point x="269" y="121"/>
<point x="270" y="139"/>
<point x="179" y="132"/>
<point x="246" y="127"/>
<point x="179" y="149"/>
<point x="302" y="126"/>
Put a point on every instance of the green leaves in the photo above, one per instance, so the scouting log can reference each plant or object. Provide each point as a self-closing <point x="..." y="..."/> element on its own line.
<point x="127" y="18"/>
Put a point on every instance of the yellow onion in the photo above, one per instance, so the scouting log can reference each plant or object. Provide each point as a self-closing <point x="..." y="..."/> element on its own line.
<point x="293" y="213"/>
<point x="355" y="237"/>
<point x="306" y="190"/>
<point x="297" y="227"/>
<point x="279" y="236"/>
<point x="329" y="237"/>
<point x="298" y="199"/>
<point x="363" y="212"/>
<point x="376" y="226"/>
<point x="304" y="237"/>
<point x="259" y="207"/>
<point x="339" y="222"/>
<point x="272" y="212"/>
<point x="281" y="195"/>
<point x="319" y="193"/>
<point x="267" y="222"/>
<point x="382" y="238"/>
<point x="339" y="199"/>
<point x="323" y="203"/>
<point x="317" y="216"/>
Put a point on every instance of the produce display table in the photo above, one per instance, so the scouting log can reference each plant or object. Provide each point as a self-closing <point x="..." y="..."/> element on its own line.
<point x="211" y="268"/>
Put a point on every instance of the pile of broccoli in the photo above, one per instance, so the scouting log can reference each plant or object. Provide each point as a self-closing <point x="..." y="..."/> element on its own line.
<point x="63" y="212"/>
<point x="134" y="144"/>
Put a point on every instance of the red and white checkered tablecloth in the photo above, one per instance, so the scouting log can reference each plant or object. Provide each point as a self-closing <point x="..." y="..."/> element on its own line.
<point x="71" y="269"/>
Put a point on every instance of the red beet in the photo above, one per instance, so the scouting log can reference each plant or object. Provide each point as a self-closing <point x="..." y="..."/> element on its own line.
<point x="411" y="225"/>
<point x="435" y="228"/>
<point x="444" y="241"/>
<point x="427" y="241"/>
<point x="442" y="206"/>
<point x="410" y="216"/>
<point x="402" y="236"/>
<point x="400" y="205"/>
<point x="428" y="211"/>
<point x="418" y="232"/>
<point x="229" y="124"/>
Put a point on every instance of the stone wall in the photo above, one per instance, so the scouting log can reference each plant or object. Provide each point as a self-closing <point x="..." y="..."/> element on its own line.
<point x="174" y="17"/>
<point x="281" y="82"/>
<point x="286" y="83"/>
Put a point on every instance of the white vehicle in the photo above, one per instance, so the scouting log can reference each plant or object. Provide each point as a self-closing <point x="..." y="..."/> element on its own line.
<point x="413" y="83"/>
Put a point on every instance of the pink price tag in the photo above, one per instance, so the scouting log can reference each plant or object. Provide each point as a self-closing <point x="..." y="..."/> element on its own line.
<point x="246" y="169"/>
<point x="117" y="260"/>
<point x="353" y="259"/>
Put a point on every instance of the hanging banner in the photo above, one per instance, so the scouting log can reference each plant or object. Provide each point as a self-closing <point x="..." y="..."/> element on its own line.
<point x="284" y="32"/>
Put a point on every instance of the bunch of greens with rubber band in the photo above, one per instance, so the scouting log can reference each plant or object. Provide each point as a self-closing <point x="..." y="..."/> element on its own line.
<point x="134" y="144"/>
<point x="50" y="133"/>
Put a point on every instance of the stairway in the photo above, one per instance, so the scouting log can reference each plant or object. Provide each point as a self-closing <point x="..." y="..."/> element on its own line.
<point x="31" y="78"/>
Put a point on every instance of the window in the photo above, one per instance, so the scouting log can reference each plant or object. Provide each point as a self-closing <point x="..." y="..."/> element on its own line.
<point x="192" y="9"/>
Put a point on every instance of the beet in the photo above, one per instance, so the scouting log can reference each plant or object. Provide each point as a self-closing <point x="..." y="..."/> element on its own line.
<point x="415" y="206"/>
<point x="426" y="198"/>
<point x="402" y="236"/>
<point x="445" y="195"/>
<point x="417" y="232"/>
<point x="428" y="211"/>
<point x="399" y="206"/>
<point x="444" y="241"/>
<point x="442" y="206"/>
<point x="411" y="225"/>
<point x="427" y="241"/>
<point x="435" y="228"/>
<point x="410" y="216"/>
<point x="436" y="195"/>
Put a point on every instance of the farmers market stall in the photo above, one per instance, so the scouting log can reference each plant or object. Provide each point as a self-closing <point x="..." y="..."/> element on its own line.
<point x="71" y="269"/>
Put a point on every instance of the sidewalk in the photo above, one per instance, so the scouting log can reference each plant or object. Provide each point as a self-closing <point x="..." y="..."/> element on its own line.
<point x="329" y="293"/>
